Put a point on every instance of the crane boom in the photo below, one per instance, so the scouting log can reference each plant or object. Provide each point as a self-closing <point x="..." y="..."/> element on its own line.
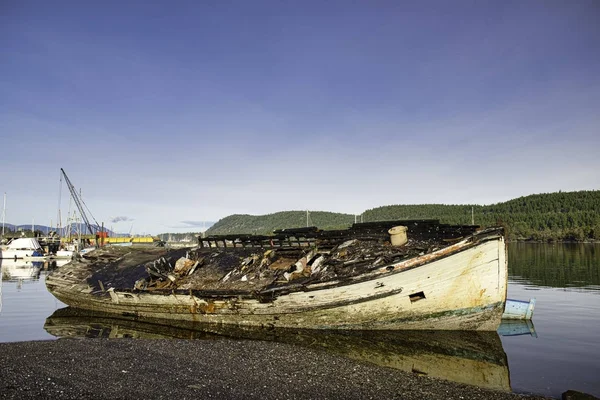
<point x="79" y="204"/>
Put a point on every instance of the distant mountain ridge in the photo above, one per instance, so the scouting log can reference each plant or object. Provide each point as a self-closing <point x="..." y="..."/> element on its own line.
<point x="44" y="229"/>
<point x="548" y="216"/>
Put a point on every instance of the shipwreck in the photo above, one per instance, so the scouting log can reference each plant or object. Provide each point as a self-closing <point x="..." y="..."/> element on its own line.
<point x="392" y="275"/>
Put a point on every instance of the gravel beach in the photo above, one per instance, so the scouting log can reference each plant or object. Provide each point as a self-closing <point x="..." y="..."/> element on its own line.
<point x="201" y="369"/>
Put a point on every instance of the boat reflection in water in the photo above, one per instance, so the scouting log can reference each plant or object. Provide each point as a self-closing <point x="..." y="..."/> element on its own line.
<point x="19" y="270"/>
<point x="22" y="271"/>
<point x="470" y="357"/>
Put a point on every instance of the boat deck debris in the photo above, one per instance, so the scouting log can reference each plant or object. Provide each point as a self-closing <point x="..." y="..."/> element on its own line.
<point x="248" y="264"/>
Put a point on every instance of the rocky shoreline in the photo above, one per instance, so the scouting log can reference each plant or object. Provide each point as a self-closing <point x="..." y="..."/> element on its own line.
<point x="223" y="369"/>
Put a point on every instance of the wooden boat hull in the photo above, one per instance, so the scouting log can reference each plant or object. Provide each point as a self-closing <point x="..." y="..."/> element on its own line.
<point x="460" y="287"/>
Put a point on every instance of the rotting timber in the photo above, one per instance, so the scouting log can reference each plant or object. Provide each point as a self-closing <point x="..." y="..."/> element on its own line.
<point x="445" y="277"/>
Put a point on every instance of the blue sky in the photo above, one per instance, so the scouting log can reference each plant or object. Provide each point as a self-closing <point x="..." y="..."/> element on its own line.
<point x="167" y="114"/>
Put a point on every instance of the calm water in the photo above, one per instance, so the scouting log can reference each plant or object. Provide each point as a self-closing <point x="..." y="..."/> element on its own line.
<point x="558" y="352"/>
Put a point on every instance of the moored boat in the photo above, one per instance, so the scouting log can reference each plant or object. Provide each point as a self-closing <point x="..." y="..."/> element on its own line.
<point x="21" y="248"/>
<point x="443" y="278"/>
<point x="72" y="250"/>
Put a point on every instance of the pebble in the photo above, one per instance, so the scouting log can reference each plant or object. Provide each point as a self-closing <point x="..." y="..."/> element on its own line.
<point x="193" y="369"/>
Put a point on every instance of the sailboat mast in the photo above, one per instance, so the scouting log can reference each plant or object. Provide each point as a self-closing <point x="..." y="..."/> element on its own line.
<point x="59" y="219"/>
<point x="3" y="214"/>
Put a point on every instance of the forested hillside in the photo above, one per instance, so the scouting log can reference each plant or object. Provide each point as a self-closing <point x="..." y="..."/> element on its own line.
<point x="549" y="216"/>
<point x="266" y="224"/>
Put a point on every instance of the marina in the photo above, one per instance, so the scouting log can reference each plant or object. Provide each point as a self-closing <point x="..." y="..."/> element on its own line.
<point x="44" y="243"/>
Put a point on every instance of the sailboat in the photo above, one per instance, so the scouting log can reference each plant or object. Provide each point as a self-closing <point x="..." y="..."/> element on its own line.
<point x="2" y="244"/>
<point x="75" y="244"/>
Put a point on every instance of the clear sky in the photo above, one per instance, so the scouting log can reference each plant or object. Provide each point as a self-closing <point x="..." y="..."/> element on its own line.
<point x="169" y="113"/>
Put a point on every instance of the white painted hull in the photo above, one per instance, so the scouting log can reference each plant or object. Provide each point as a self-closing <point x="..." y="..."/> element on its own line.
<point x="19" y="254"/>
<point x="461" y="287"/>
<point x="21" y="248"/>
<point x="68" y="254"/>
<point x="64" y="254"/>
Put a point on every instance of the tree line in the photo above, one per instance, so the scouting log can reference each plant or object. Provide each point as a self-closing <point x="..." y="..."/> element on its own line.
<point x="560" y="216"/>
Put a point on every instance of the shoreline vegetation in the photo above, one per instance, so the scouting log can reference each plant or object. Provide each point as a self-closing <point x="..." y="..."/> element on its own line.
<point x="549" y="217"/>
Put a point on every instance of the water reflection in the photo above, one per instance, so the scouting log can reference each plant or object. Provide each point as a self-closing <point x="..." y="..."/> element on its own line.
<point x="517" y="327"/>
<point x="475" y="358"/>
<point x="572" y="265"/>
<point x="20" y="270"/>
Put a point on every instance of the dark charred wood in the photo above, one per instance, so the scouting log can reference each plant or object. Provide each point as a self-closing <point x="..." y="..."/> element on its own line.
<point x="294" y="231"/>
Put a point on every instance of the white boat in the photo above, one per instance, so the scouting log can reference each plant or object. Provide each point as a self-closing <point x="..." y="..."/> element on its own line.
<point x="64" y="254"/>
<point x="68" y="254"/>
<point x="71" y="249"/>
<point x="21" y="248"/>
<point x="445" y="278"/>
